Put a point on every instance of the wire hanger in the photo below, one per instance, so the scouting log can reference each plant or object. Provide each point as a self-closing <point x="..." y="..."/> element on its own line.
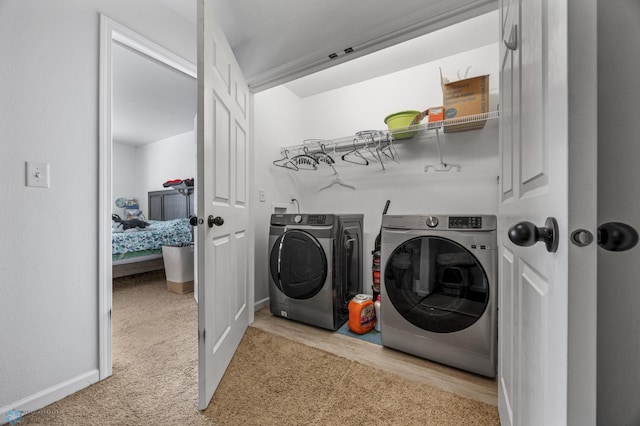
<point x="374" y="155"/>
<point x="376" y="137"/>
<point x="392" y="152"/>
<point x="378" y="150"/>
<point x="358" y="157"/>
<point x="286" y="162"/>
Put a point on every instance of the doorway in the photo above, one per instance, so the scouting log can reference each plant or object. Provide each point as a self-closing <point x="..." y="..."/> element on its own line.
<point x="137" y="127"/>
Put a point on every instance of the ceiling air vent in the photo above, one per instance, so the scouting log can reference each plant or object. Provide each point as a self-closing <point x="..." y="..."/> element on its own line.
<point x="333" y="56"/>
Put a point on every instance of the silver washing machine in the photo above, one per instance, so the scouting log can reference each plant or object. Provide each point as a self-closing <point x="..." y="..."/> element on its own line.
<point x="315" y="267"/>
<point x="439" y="294"/>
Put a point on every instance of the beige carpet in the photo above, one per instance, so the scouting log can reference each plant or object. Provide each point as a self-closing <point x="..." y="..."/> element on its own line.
<point x="271" y="380"/>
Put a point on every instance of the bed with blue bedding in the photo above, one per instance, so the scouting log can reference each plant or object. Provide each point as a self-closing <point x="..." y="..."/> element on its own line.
<point x="140" y="249"/>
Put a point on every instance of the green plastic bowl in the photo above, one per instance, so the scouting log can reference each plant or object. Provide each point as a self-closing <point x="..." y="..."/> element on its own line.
<point x="399" y="121"/>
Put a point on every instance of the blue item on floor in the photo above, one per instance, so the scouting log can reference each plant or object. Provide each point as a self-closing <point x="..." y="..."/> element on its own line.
<point x="372" y="337"/>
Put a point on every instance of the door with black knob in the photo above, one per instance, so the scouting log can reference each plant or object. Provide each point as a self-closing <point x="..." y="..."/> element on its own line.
<point x="224" y="237"/>
<point x="547" y="285"/>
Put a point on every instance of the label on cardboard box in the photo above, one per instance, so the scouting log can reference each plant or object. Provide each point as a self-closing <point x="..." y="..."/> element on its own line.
<point x="464" y="98"/>
<point x="436" y="114"/>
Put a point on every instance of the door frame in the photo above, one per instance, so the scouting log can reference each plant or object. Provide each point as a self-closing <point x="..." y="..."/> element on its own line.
<point x="110" y="32"/>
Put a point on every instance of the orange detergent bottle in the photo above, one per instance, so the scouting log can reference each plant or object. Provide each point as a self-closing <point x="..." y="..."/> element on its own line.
<point x="362" y="316"/>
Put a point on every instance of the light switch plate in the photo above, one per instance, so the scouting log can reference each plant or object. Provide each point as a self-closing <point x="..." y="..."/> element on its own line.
<point x="37" y="174"/>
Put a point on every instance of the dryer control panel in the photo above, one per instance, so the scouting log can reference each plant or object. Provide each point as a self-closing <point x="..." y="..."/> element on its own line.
<point x="302" y="219"/>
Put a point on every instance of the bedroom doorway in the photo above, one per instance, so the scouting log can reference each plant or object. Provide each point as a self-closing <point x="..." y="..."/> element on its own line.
<point x="147" y="137"/>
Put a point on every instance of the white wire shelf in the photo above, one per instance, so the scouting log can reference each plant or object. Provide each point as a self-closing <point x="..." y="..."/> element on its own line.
<point x="366" y="137"/>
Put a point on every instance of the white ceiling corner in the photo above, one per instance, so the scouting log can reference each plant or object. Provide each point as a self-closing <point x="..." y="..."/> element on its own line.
<point x="185" y="8"/>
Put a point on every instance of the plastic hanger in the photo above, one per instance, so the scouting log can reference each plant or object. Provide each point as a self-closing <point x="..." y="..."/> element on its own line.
<point x="336" y="181"/>
<point x="305" y="161"/>
<point x="322" y="156"/>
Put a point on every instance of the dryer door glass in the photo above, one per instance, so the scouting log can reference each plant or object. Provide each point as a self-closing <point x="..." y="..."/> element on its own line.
<point x="436" y="284"/>
<point x="298" y="264"/>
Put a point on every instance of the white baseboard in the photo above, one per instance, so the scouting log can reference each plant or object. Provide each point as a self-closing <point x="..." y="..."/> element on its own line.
<point x="260" y="304"/>
<point x="48" y="396"/>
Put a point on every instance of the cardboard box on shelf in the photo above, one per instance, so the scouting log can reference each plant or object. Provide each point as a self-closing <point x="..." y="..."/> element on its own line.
<point x="463" y="100"/>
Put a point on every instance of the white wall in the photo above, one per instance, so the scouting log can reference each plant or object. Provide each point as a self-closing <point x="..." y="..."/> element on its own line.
<point x="166" y="159"/>
<point x="49" y="52"/>
<point x="618" y="201"/>
<point x="277" y="122"/>
<point x="343" y="112"/>
<point x="124" y="174"/>
<point x="138" y="170"/>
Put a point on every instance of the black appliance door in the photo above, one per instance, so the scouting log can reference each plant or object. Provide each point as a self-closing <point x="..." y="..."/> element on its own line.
<point x="350" y="265"/>
<point x="436" y="284"/>
<point x="298" y="264"/>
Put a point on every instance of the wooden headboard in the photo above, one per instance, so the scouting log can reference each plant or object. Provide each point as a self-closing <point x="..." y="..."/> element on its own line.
<point x="170" y="204"/>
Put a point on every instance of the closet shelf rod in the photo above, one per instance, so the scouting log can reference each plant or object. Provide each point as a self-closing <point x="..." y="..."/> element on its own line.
<point x="311" y="146"/>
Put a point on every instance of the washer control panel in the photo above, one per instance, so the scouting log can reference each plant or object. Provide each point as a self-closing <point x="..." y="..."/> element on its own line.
<point x="432" y="221"/>
<point x="458" y="223"/>
<point x="466" y="222"/>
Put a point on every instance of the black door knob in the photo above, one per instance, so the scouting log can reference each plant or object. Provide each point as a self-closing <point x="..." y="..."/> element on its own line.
<point x="616" y="236"/>
<point x="526" y="234"/>
<point x="193" y="221"/>
<point x="215" y="221"/>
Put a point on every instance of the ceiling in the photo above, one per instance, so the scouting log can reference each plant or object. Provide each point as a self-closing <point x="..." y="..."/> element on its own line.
<point x="277" y="41"/>
<point x="462" y="37"/>
<point x="153" y="101"/>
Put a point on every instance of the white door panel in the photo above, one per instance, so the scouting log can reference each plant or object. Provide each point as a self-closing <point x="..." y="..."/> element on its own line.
<point x="224" y="238"/>
<point x="537" y="378"/>
<point x="507" y="320"/>
<point x="533" y="345"/>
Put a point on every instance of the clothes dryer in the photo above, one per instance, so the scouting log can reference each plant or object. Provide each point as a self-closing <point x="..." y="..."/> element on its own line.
<point x="439" y="289"/>
<point x="315" y="267"/>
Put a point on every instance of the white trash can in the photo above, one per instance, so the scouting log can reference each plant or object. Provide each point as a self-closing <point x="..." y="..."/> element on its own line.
<point x="178" y="267"/>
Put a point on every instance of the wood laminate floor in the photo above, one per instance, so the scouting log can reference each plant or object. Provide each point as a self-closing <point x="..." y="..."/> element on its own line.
<point x="405" y="365"/>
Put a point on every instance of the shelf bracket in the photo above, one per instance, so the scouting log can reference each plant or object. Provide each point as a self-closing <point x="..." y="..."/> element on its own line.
<point x="442" y="167"/>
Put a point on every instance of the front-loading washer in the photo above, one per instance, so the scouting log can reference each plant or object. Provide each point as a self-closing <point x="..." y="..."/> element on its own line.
<point x="439" y="289"/>
<point x="315" y="266"/>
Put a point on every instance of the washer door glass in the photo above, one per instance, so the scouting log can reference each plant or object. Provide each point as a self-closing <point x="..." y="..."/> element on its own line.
<point x="298" y="264"/>
<point x="436" y="284"/>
